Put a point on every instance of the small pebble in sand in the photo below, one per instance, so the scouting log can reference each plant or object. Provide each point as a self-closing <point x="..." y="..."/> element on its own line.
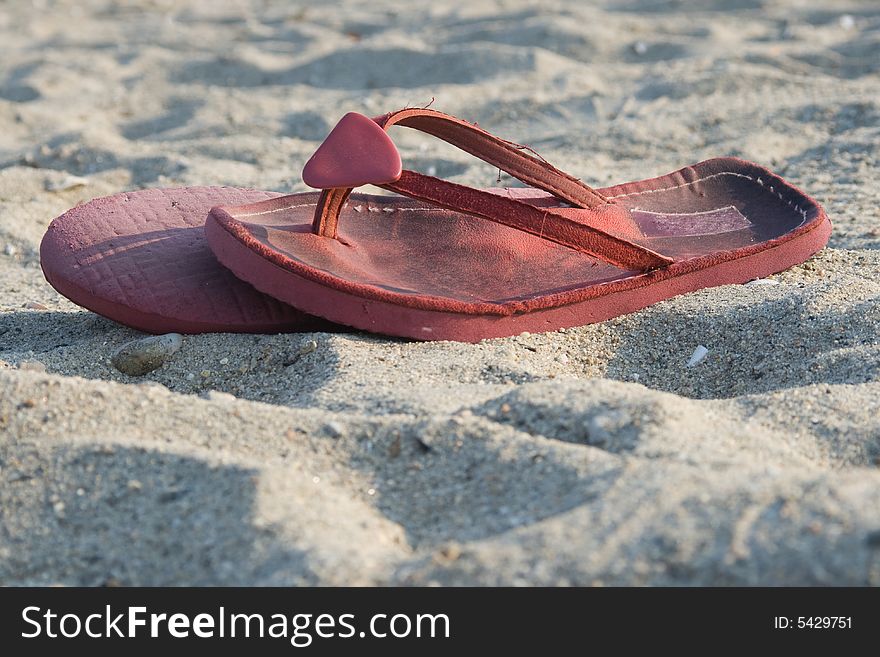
<point x="762" y="281"/>
<point x="640" y="47"/>
<point x="219" y="396"/>
<point x="697" y="357"/>
<point x="10" y="250"/>
<point x="307" y="348"/>
<point x="334" y="429"/>
<point x="847" y="22"/>
<point x="34" y="305"/>
<point x="224" y="361"/>
<point x="32" y="366"/>
<point x="142" y="356"/>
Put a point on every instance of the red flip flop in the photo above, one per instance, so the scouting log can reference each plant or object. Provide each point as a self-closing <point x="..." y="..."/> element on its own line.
<point x="455" y="263"/>
<point x="141" y="259"/>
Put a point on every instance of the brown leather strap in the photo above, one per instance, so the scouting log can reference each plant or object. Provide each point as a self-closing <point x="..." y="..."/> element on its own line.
<point x="571" y="229"/>
<point x="501" y="153"/>
<point x="327" y="210"/>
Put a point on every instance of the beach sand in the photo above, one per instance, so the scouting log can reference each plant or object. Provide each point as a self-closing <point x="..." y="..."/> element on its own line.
<point x="590" y="456"/>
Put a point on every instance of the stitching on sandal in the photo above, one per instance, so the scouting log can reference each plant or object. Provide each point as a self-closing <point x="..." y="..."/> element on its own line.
<point x="287" y="207"/>
<point x="758" y="181"/>
<point x="683" y="214"/>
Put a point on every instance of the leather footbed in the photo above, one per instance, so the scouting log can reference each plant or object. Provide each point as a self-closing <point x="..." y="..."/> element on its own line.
<point x="402" y="267"/>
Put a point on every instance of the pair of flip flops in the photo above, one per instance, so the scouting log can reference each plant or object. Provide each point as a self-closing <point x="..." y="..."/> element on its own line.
<point x="438" y="261"/>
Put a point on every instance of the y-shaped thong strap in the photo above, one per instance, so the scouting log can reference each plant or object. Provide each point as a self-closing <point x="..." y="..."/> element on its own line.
<point x="358" y="151"/>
